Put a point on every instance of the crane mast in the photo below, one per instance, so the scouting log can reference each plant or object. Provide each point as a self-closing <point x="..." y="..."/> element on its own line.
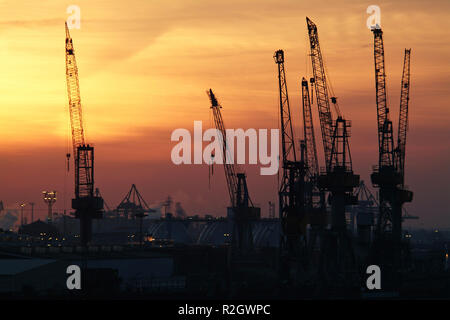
<point x="289" y="199"/>
<point x="87" y="206"/>
<point x="291" y="190"/>
<point x="314" y="196"/>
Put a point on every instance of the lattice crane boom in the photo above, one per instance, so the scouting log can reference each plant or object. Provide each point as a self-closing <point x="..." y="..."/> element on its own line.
<point x="403" y="115"/>
<point x="323" y="101"/>
<point x="287" y="132"/>
<point x="385" y="131"/>
<point x="308" y="128"/>
<point x="73" y="90"/>
<point x="229" y="167"/>
<point x="83" y="177"/>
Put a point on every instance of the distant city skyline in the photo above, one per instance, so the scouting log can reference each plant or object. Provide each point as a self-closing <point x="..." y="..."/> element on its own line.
<point x="144" y="67"/>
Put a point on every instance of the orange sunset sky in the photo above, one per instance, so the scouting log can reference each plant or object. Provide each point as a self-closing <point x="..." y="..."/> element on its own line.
<point x="144" y="67"/>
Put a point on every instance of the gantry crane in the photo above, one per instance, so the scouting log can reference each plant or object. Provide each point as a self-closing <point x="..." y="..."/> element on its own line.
<point x="388" y="176"/>
<point x="338" y="179"/>
<point x="87" y="206"/>
<point x="242" y="210"/>
<point x="134" y="206"/>
<point x="291" y="192"/>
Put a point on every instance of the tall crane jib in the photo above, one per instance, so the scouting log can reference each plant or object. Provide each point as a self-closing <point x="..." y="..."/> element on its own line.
<point x="230" y="170"/>
<point x="241" y="209"/>
<point x="389" y="175"/>
<point x="403" y="116"/>
<point x="335" y="133"/>
<point x="338" y="179"/>
<point x="385" y="130"/>
<point x="320" y="85"/>
<point x="87" y="206"/>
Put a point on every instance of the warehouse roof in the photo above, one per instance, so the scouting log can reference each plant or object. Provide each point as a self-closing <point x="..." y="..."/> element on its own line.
<point x="16" y="266"/>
